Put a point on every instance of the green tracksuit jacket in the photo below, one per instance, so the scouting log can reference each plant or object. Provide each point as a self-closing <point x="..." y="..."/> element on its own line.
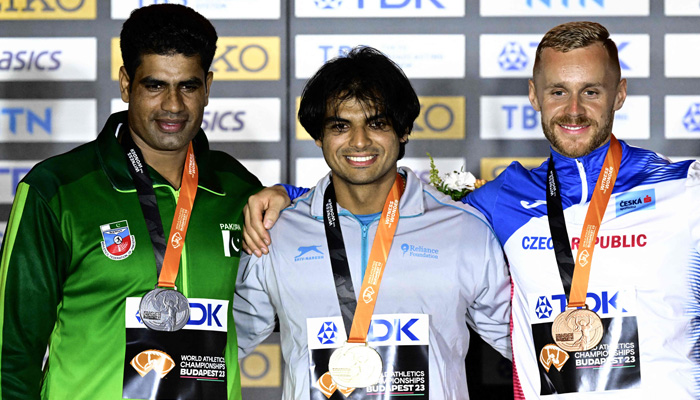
<point x="58" y="286"/>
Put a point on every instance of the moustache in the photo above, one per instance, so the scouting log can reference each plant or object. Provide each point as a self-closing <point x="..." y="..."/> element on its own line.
<point x="568" y="120"/>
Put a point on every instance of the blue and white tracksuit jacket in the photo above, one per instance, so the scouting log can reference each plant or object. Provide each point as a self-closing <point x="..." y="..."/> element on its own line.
<point x="457" y="275"/>
<point x="648" y="245"/>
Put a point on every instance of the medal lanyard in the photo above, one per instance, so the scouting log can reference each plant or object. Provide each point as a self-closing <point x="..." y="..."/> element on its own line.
<point x="167" y="254"/>
<point x="356" y="315"/>
<point x="575" y="276"/>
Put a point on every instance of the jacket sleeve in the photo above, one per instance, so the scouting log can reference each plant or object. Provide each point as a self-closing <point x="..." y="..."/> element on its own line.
<point x="293" y="192"/>
<point x="33" y="259"/>
<point x="693" y="189"/>
<point x="487" y="272"/>
<point x="253" y="311"/>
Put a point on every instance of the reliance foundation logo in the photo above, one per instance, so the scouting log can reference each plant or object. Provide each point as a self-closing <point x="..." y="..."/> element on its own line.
<point x="410" y="250"/>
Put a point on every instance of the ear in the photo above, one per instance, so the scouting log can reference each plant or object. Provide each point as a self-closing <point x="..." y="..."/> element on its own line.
<point x="124" y="84"/>
<point x="209" y="80"/>
<point x="319" y="143"/>
<point x="621" y="94"/>
<point x="404" y="138"/>
<point x="532" y="95"/>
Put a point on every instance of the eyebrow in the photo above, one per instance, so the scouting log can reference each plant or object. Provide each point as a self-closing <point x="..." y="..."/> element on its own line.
<point x="564" y="84"/>
<point x="153" y="81"/>
<point x="335" y="118"/>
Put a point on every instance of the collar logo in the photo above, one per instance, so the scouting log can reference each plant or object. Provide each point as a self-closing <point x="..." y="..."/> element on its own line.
<point x="153" y="360"/>
<point x="117" y="243"/>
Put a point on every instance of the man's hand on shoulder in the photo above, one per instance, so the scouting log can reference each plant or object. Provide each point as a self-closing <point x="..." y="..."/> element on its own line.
<point x="267" y="203"/>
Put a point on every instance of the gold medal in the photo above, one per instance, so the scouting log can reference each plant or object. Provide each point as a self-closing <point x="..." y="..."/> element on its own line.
<point x="355" y="365"/>
<point x="577" y="330"/>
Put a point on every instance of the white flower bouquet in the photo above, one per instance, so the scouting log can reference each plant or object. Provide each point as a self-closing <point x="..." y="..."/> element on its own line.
<point x="456" y="184"/>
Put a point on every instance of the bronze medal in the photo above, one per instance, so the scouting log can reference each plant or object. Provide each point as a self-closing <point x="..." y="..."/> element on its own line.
<point x="577" y="330"/>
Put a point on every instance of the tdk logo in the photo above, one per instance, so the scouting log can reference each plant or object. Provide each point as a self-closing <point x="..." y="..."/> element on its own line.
<point x="382" y="330"/>
<point x="328" y="334"/>
<point x="25" y="60"/>
<point x="307" y="253"/>
<point x="328" y="4"/>
<point x="691" y="119"/>
<point x="634" y="201"/>
<point x="543" y="309"/>
<point x="383" y="4"/>
<point x="512" y="57"/>
<point x="565" y="3"/>
<point x="603" y="303"/>
<point x="200" y="314"/>
<point x="525" y="115"/>
<point x="16" y="118"/>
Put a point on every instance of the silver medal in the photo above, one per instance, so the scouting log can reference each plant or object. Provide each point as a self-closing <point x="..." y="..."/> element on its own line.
<point x="164" y="310"/>
<point x="355" y="365"/>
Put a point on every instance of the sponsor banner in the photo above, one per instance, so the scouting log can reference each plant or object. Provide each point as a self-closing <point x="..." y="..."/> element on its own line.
<point x="11" y="172"/>
<point x="48" y="59"/>
<point x="530" y="8"/>
<point x="269" y="172"/>
<point x="513" y="55"/>
<point x="441" y="117"/>
<point x="262" y="367"/>
<point x="48" y="120"/>
<point x="236" y="119"/>
<point x="682" y="115"/>
<point x="378" y="8"/>
<point x="491" y="167"/>
<point x="309" y="170"/>
<point x="566" y="367"/>
<point x="237" y="58"/>
<point x="420" y="56"/>
<point x="48" y="9"/>
<point x="682" y="8"/>
<point x="212" y="9"/>
<point x="384" y="330"/>
<point x="681" y="56"/>
<point x="205" y="314"/>
<point x="513" y="118"/>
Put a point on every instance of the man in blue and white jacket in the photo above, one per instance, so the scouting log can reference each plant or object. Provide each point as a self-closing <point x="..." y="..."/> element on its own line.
<point x="645" y="274"/>
<point x="360" y="110"/>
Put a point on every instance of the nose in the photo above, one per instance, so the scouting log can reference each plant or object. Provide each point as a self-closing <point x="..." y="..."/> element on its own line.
<point x="173" y="101"/>
<point x="359" y="138"/>
<point x="573" y="106"/>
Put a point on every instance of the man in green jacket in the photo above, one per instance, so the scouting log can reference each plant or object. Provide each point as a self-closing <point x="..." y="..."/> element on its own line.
<point x="94" y="231"/>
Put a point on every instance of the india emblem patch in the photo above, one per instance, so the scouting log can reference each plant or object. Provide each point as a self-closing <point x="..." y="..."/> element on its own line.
<point x="118" y="243"/>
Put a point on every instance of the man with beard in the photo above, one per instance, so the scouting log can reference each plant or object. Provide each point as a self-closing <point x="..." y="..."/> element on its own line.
<point x="636" y="301"/>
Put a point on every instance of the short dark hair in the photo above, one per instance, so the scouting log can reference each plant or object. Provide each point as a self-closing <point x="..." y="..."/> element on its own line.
<point x="368" y="76"/>
<point x="166" y="29"/>
<point x="576" y="35"/>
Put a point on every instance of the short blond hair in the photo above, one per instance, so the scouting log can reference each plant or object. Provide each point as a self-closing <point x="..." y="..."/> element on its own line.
<point x="575" y="35"/>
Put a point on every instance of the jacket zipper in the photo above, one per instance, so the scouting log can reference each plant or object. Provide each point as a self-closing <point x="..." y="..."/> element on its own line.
<point x="584" y="181"/>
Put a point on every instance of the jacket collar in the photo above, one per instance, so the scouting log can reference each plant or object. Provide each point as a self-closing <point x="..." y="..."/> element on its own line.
<point x="410" y="205"/>
<point x="572" y="171"/>
<point x="113" y="160"/>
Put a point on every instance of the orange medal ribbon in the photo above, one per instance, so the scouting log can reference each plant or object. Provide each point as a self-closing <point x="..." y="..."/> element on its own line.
<point x="178" y="229"/>
<point x="594" y="216"/>
<point x="377" y="263"/>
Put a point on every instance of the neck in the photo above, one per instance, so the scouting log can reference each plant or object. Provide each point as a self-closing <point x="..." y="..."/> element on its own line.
<point x="168" y="163"/>
<point x="364" y="199"/>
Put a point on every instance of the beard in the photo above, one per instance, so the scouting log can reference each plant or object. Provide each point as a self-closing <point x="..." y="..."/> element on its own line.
<point x="575" y="149"/>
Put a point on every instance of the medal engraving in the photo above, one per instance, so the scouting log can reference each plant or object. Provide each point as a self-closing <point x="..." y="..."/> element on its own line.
<point x="355" y="365"/>
<point x="577" y="330"/>
<point x="164" y="310"/>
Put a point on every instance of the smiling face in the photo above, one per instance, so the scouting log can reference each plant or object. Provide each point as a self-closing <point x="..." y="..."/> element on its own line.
<point x="166" y="97"/>
<point x="359" y="145"/>
<point x="578" y="93"/>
